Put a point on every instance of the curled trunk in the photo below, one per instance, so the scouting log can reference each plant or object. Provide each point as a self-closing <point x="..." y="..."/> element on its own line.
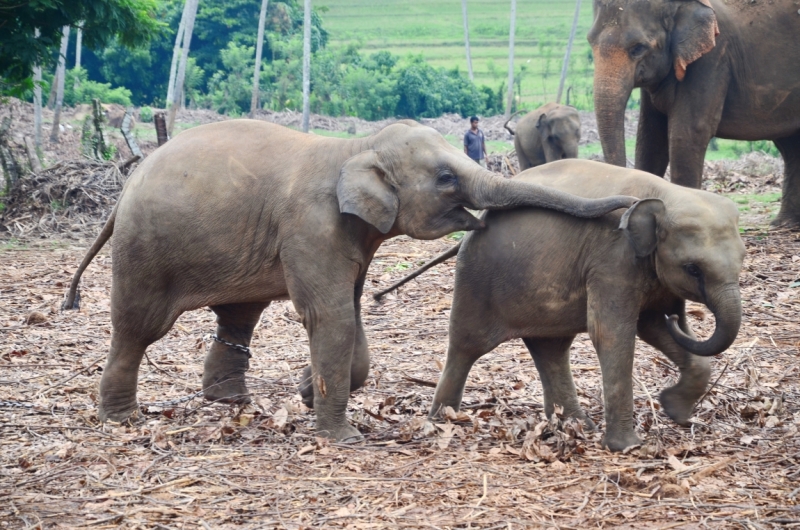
<point x="727" y="308"/>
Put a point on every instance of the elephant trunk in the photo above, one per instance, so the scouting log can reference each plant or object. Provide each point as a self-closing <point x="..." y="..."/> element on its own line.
<point x="613" y="83"/>
<point x="726" y="305"/>
<point x="492" y="192"/>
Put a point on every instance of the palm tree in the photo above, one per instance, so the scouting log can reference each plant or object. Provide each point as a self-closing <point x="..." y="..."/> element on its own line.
<point x="306" y="61"/>
<point x="466" y="39"/>
<point x="177" y="93"/>
<point x="60" y="71"/>
<point x="259" y="44"/>
<point x="176" y="53"/>
<point x="511" y="58"/>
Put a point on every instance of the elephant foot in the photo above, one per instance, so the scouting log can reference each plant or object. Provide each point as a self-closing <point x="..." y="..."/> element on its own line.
<point x="341" y="433"/>
<point x="588" y="424"/>
<point x="677" y="405"/>
<point x="786" y="221"/>
<point x="617" y="442"/>
<point x="223" y="376"/>
<point x="117" y="409"/>
<point x="306" y="389"/>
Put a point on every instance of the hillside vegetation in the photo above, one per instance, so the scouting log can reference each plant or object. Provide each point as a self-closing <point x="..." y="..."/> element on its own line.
<point x="434" y="29"/>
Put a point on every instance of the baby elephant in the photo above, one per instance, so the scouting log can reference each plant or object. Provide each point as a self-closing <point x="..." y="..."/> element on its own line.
<point x="547" y="134"/>
<point x="545" y="277"/>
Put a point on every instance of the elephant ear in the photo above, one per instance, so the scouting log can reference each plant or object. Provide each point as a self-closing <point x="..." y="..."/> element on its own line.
<point x="540" y="121"/>
<point x="694" y="34"/>
<point x="640" y="224"/>
<point x="363" y="190"/>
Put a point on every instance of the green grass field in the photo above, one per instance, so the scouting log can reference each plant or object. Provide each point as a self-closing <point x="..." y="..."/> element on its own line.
<point x="434" y="29"/>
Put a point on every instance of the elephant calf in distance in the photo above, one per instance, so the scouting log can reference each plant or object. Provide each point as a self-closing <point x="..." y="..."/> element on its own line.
<point x="545" y="277"/>
<point x="547" y="134"/>
<point x="234" y="215"/>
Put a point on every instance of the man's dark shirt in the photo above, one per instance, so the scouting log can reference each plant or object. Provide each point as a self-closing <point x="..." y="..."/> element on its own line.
<point x="474" y="144"/>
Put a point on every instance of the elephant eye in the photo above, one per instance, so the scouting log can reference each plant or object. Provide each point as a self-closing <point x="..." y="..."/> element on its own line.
<point x="693" y="270"/>
<point x="638" y="50"/>
<point x="446" y="178"/>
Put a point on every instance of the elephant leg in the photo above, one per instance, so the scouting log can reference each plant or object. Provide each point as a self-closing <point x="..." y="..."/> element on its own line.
<point x="692" y="124"/>
<point x="225" y="366"/>
<point x="134" y="329"/>
<point x="359" y="366"/>
<point x="551" y="357"/>
<point x="465" y="348"/>
<point x="612" y="328"/>
<point x="652" y="138"/>
<point x="322" y="290"/>
<point x="679" y="400"/>
<point x="789" y="215"/>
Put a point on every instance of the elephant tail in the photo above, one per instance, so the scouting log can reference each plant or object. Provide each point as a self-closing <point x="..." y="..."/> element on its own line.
<point x="441" y="258"/>
<point x="509" y="129"/>
<point x="73" y="297"/>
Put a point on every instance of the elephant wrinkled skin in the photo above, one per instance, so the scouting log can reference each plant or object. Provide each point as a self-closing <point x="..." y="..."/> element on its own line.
<point x="551" y="132"/>
<point x="234" y="215"/>
<point x="545" y="277"/>
<point x="706" y="68"/>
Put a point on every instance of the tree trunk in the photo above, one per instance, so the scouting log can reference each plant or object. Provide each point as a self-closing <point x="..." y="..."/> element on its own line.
<point x="181" y="76"/>
<point x="176" y="53"/>
<point x="306" y="62"/>
<point x="466" y="39"/>
<point x="565" y="66"/>
<point x="78" y="49"/>
<point x="511" y="58"/>
<point x="37" y="102"/>
<point x="262" y="17"/>
<point x="62" y="61"/>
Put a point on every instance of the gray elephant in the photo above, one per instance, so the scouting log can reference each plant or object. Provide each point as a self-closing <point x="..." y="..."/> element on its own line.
<point x="706" y="68"/>
<point x="234" y="215"/>
<point x="545" y="277"/>
<point x="547" y="134"/>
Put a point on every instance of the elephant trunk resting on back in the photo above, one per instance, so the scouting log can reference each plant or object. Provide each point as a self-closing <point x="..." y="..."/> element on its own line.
<point x="234" y="215"/>
<point x="551" y="132"/>
<point x="545" y="277"/>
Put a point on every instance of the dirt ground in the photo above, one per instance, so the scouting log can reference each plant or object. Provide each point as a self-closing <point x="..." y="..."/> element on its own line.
<point x="186" y="463"/>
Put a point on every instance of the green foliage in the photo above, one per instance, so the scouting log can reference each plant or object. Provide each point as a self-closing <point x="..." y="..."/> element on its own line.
<point x="229" y="89"/>
<point x="133" y="22"/>
<point x="146" y="114"/>
<point x="84" y="90"/>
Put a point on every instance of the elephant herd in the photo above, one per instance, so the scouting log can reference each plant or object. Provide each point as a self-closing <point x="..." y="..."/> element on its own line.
<point x="236" y="214"/>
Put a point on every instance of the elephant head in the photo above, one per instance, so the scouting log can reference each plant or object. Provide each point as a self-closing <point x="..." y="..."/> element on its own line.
<point x="412" y="181"/>
<point x="639" y="44"/>
<point x="560" y="131"/>
<point x="697" y="259"/>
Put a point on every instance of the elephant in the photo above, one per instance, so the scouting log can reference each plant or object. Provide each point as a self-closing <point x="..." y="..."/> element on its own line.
<point x="705" y="68"/>
<point x="236" y="214"/>
<point x="549" y="133"/>
<point x="545" y="277"/>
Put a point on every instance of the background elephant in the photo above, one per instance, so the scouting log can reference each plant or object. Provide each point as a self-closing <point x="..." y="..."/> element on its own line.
<point x="706" y="68"/>
<point x="549" y="133"/>
<point x="233" y="215"/>
<point x="552" y="277"/>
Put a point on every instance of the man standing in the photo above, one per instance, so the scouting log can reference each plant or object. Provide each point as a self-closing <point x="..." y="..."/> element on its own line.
<point x="474" y="143"/>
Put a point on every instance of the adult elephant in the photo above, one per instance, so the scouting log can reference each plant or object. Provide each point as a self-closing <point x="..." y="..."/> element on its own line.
<point x="706" y="68"/>
<point x="234" y="215"/>
<point x="547" y="134"/>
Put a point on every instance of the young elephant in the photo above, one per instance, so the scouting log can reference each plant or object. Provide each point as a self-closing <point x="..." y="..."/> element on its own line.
<point x="233" y="215"/>
<point x="547" y="134"/>
<point x="545" y="277"/>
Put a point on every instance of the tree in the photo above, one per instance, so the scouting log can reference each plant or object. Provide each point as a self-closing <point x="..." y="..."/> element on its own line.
<point x="132" y="21"/>
<point x="60" y="75"/>
<point x="177" y="93"/>
<point x="565" y="65"/>
<point x="176" y="53"/>
<point x="259" y="45"/>
<point x="511" y="58"/>
<point x="466" y="39"/>
<point x="306" y="62"/>
<point x="37" y="102"/>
